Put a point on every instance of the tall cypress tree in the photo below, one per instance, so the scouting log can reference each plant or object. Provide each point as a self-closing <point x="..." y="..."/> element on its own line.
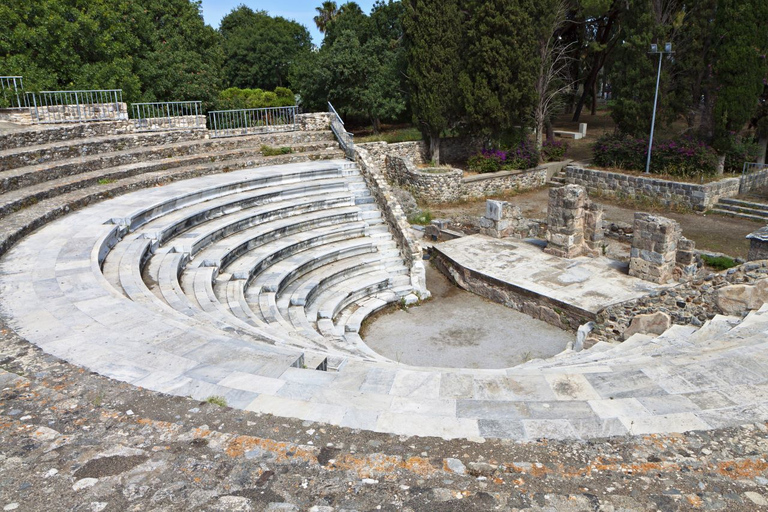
<point x="497" y="82"/>
<point x="433" y="40"/>
<point x="738" y="70"/>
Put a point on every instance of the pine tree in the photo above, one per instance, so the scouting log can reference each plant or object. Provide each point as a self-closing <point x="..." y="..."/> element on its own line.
<point x="433" y="36"/>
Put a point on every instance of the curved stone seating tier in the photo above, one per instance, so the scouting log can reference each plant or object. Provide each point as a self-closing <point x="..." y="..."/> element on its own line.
<point x="155" y="318"/>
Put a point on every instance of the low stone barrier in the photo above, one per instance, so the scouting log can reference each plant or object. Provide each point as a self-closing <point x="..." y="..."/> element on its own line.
<point x="45" y="134"/>
<point x="698" y="197"/>
<point x="435" y="185"/>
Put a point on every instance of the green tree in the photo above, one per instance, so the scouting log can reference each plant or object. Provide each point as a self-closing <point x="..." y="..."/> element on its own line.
<point x="500" y="69"/>
<point x="325" y="14"/>
<point x="433" y="50"/>
<point x="632" y="71"/>
<point x="738" y="71"/>
<point x="159" y="50"/>
<point x="260" y="50"/>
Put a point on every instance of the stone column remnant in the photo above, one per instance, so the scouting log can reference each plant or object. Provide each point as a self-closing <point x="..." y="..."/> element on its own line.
<point x="575" y="223"/>
<point x="654" y="248"/>
<point x="503" y="219"/>
<point x="758" y="245"/>
<point x="686" y="257"/>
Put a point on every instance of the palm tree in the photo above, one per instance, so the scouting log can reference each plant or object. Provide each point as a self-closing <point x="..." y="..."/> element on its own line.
<point x="325" y="14"/>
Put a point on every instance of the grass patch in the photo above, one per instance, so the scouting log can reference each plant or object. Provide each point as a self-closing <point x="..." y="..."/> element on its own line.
<point x="394" y="136"/>
<point x="422" y="217"/>
<point x="106" y="181"/>
<point x="271" y="151"/>
<point x="719" y="262"/>
<point x="217" y="400"/>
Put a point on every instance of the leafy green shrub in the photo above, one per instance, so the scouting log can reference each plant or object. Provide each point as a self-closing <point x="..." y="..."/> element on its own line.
<point x="719" y="262"/>
<point x="483" y="163"/>
<point x="743" y="149"/>
<point x="270" y="151"/>
<point x="422" y="217"/>
<point x="553" y="150"/>
<point x="235" y="98"/>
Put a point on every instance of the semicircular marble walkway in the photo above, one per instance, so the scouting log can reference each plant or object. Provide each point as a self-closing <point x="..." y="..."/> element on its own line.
<point x="252" y="285"/>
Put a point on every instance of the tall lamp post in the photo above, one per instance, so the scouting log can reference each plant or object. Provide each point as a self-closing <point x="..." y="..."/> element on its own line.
<point x="655" y="49"/>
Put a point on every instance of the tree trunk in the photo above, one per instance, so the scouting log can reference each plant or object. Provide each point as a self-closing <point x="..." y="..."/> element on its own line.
<point x="603" y="37"/>
<point x="594" y="98"/>
<point x="550" y="130"/>
<point x="720" y="164"/>
<point x="762" y="148"/>
<point x="376" y="122"/>
<point x="434" y="146"/>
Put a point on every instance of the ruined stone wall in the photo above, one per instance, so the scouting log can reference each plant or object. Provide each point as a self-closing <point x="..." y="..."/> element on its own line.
<point x="435" y="185"/>
<point x="690" y="303"/>
<point x="503" y="219"/>
<point x="670" y="193"/>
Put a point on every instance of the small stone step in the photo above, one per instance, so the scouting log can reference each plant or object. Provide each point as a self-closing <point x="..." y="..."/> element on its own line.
<point x="758" y="212"/>
<point x="758" y="218"/>
<point x="744" y="204"/>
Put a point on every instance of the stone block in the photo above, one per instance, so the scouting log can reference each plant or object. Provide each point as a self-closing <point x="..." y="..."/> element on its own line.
<point x="740" y="298"/>
<point x="654" y="323"/>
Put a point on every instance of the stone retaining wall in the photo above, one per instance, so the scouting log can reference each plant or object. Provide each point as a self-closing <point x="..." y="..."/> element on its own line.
<point x="670" y="193"/>
<point x="314" y="121"/>
<point x="753" y="181"/>
<point x="393" y="214"/>
<point x="45" y="134"/>
<point x="546" y="309"/>
<point x="691" y="303"/>
<point x="170" y="123"/>
<point x="435" y="185"/>
<point x="483" y="185"/>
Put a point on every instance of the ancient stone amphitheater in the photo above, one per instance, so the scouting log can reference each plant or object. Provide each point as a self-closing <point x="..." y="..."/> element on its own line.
<point x="200" y="268"/>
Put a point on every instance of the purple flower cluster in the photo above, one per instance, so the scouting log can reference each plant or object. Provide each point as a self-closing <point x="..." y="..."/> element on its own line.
<point x="522" y="156"/>
<point x="684" y="156"/>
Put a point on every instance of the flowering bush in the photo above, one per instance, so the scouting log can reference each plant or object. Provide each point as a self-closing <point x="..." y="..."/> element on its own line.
<point x="553" y="150"/>
<point x="683" y="156"/>
<point x="522" y="156"/>
<point x="742" y="150"/>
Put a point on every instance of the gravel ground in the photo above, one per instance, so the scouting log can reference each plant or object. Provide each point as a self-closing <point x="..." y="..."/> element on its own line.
<point x="458" y="329"/>
<point x="72" y="440"/>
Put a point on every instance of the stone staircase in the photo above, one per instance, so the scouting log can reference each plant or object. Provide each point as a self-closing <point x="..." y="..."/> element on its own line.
<point x="253" y="284"/>
<point x="558" y="179"/>
<point x="742" y="209"/>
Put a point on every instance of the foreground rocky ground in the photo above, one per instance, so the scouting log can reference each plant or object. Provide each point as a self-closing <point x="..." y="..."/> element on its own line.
<point x="72" y="440"/>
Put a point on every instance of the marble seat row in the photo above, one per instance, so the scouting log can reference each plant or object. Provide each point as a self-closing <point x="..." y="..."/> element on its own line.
<point x="215" y="285"/>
